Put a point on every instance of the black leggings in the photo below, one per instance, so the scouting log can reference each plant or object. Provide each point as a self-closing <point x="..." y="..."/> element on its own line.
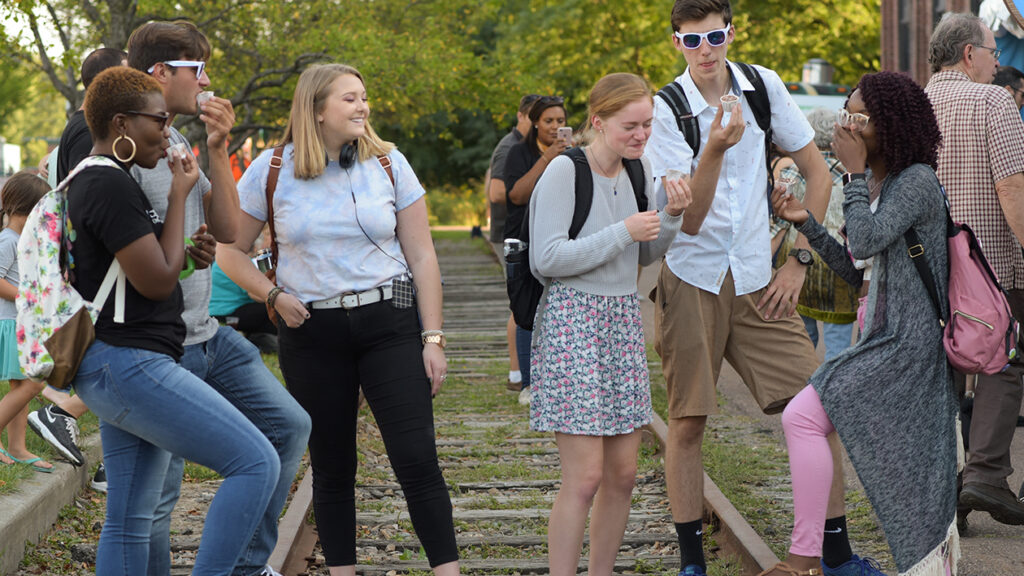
<point x="324" y="362"/>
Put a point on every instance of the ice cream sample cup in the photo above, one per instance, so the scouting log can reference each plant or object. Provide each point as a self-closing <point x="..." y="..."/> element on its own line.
<point x="177" y="151"/>
<point x="729" y="102"/>
<point x="203" y="98"/>
<point x="673" y="174"/>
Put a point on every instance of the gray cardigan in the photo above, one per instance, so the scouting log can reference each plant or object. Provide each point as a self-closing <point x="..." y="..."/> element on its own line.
<point x="603" y="258"/>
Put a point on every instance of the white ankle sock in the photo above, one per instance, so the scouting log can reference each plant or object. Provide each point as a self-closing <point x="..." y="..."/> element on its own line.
<point x="515" y="376"/>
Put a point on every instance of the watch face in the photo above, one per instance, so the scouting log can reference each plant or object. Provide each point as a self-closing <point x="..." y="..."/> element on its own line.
<point x="804" y="257"/>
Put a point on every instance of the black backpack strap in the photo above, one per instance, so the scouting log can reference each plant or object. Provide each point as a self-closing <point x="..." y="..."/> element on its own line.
<point x="673" y="95"/>
<point x="761" y="107"/>
<point x="584" y="190"/>
<point x="635" y="171"/>
<point x="916" y="252"/>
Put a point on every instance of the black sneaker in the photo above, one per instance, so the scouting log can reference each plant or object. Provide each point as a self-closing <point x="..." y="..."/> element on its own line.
<point x="99" y="480"/>
<point x="59" y="430"/>
<point x="1000" y="503"/>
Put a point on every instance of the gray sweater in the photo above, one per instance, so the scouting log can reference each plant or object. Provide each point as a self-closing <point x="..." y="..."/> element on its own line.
<point x="603" y="258"/>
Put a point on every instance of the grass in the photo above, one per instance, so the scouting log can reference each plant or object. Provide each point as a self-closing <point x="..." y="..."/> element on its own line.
<point x="11" y="476"/>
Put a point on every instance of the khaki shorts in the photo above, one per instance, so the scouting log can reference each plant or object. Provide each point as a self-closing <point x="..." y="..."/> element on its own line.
<point x="695" y="330"/>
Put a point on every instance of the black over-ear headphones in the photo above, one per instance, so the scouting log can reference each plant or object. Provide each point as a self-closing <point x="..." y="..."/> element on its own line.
<point x="347" y="158"/>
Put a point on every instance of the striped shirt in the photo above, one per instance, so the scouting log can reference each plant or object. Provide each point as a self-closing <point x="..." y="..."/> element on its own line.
<point x="982" y="143"/>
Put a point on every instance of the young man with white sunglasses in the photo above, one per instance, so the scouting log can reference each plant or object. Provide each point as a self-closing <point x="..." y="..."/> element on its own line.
<point x="175" y="55"/>
<point x="716" y="296"/>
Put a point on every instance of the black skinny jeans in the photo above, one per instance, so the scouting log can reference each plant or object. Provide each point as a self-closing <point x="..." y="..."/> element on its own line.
<point x="324" y="362"/>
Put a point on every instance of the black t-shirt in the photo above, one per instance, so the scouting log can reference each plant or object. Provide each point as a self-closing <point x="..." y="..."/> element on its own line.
<point x="109" y="211"/>
<point x="75" y="144"/>
<point x="521" y="159"/>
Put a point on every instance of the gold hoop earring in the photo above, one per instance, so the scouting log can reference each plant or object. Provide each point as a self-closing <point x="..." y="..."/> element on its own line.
<point x="130" y="141"/>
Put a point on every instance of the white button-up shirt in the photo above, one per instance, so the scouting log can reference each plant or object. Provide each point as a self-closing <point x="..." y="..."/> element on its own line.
<point x="734" y="234"/>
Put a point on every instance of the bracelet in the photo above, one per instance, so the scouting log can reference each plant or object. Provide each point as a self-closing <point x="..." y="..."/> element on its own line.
<point x="273" y="294"/>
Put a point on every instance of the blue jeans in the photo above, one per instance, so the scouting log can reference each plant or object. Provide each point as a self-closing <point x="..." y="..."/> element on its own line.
<point x="837" y="336"/>
<point x="150" y="407"/>
<point x="523" y="338"/>
<point x="234" y="370"/>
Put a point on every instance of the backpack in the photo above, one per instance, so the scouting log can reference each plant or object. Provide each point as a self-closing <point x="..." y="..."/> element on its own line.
<point x="524" y="289"/>
<point x="981" y="335"/>
<point x="673" y="95"/>
<point x="54" y="322"/>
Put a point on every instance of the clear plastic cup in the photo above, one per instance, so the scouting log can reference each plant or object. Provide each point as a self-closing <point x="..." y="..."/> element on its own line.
<point x="177" y="151"/>
<point x="673" y="174"/>
<point x="786" y="183"/>
<point x="203" y="98"/>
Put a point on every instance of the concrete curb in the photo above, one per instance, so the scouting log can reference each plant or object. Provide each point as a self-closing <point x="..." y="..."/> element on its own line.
<point x="28" y="514"/>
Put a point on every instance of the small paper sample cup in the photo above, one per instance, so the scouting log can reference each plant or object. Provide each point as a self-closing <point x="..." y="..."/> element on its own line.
<point x="729" y="102"/>
<point x="203" y="98"/>
<point x="673" y="174"/>
<point x="177" y="151"/>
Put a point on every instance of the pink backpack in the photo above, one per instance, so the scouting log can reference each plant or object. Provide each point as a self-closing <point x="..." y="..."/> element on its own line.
<point x="981" y="335"/>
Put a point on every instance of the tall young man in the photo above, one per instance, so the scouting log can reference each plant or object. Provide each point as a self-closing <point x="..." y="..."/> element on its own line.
<point x="716" y="297"/>
<point x="175" y="54"/>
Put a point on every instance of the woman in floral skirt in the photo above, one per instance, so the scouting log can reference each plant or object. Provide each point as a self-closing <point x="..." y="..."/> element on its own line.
<point x="589" y="363"/>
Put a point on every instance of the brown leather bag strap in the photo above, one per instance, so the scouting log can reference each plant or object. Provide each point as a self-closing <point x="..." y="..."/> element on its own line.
<point x="385" y="163"/>
<point x="276" y="162"/>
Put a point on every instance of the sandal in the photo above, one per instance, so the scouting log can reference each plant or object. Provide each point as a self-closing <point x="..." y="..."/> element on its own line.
<point x="29" y="461"/>
<point x="790" y="571"/>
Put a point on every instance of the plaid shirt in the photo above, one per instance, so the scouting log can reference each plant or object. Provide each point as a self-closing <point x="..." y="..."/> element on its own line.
<point x="982" y="143"/>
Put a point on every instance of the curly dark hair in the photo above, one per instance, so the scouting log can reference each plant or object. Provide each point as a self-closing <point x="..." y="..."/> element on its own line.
<point x="114" y="91"/>
<point x="904" y="120"/>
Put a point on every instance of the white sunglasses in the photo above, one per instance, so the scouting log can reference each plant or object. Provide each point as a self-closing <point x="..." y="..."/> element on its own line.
<point x="715" y="38"/>
<point x="197" y="64"/>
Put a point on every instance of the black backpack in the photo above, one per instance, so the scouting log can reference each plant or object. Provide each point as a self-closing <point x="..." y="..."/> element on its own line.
<point x="524" y="290"/>
<point x="672" y="93"/>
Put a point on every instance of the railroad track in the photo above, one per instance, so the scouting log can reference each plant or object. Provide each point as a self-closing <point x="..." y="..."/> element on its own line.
<point x="502" y="476"/>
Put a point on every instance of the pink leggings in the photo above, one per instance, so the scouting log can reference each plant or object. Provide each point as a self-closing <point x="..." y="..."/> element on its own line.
<point x="810" y="464"/>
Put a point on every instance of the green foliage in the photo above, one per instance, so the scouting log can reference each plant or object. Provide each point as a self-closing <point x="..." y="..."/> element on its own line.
<point x="443" y="77"/>
<point x="457" y="205"/>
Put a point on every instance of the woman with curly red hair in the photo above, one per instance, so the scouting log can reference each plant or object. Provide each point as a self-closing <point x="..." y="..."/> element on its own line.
<point x="890" y="396"/>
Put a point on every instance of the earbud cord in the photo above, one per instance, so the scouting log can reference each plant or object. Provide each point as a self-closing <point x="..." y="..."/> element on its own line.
<point x="355" y="207"/>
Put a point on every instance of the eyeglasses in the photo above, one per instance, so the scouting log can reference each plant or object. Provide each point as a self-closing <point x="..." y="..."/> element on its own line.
<point x="692" y="40"/>
<point x="197" y="64"/>
<point x="855" y="122"/>
<point x="163" y="118"/>
<point x="995" y="51"/>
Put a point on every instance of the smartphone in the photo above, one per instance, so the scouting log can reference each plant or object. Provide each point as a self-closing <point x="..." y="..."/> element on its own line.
<point x="565" y="135"/>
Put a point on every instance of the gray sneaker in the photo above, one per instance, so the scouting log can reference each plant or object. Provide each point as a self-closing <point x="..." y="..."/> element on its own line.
<point x="59" y="430"/>
<point x="99" y="480"/>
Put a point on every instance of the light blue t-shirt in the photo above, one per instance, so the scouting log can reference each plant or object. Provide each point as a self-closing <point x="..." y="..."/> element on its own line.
<point x="226" y="296"/>
<point x="322" y="252"/>
<point x="8" y="270"/>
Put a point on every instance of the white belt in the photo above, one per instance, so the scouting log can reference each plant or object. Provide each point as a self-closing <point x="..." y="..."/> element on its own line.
<point x="354" y="299"/>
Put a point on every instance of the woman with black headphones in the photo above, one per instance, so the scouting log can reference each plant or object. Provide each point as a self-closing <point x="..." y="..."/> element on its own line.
<point x="356" y="264"/>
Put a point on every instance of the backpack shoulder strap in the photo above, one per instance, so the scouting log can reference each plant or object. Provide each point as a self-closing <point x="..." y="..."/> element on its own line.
<point x="673" y="95"/>
<point x="916" y="252"/>
<point x="760" y="105"/>
<point x="584" y="190"/>
<point x="637" y="178"/>
<point x="276" y="161"/>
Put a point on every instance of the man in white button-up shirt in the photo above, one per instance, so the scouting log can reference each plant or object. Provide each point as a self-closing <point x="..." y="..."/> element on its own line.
<point x="716" y="297"/>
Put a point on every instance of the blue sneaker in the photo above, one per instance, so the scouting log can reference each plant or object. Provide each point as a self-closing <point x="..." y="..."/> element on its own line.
<point x="855" y="566"/>
<point x="692" y="570"/>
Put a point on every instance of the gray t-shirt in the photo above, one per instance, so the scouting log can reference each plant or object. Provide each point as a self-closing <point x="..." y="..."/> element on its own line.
<point x="156" y="183"/>
<point x="499" y="212"/>
<point x="8" y="269"/>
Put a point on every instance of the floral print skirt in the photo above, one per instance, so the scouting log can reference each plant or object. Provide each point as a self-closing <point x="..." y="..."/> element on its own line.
<point x="589" y="365"/>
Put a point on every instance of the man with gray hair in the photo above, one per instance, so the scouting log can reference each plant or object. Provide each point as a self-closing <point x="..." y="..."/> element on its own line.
<point x="981" y="166"/>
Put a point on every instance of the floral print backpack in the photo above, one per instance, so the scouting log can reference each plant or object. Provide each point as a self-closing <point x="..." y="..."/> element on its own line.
<point x="54" y="322"/>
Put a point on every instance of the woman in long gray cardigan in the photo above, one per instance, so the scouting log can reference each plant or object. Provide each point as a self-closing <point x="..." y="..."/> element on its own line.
<point x="890" y="397"/>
